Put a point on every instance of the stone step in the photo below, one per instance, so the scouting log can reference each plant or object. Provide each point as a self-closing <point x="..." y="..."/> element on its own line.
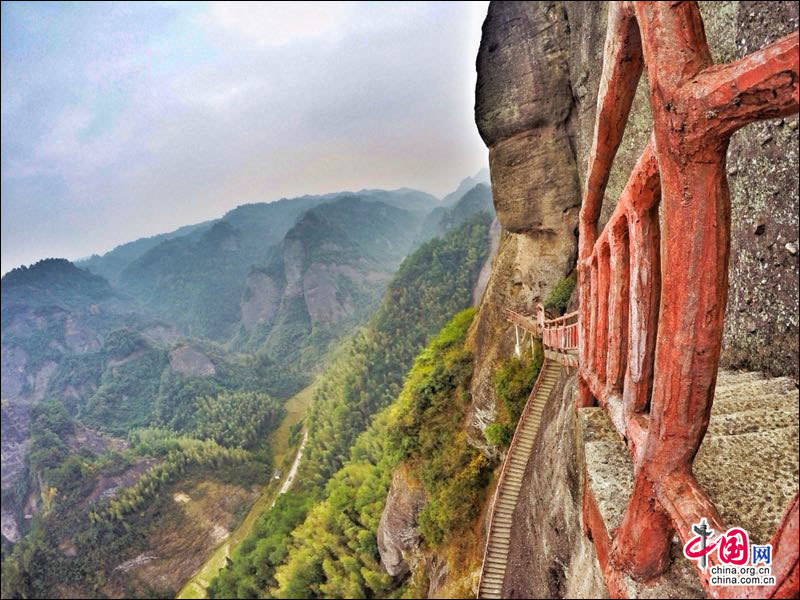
<point x="510" y="485"/>
<point x="754" y="389"/>
<point x="508" y="503"/>
<point x="747" y="463"/>
<point x="516" y="482"/>
<point x="496" y="570"/>
<point x="510" y="498"/>
<point x="749" y="421"/>
<point x="499" y="554"/>
<point x="751" y="477"/>
<point x="732" y="377"/>
<point x="494" y="563"/>
<point x="499" y="564"/>
<point x="734" y="405"/>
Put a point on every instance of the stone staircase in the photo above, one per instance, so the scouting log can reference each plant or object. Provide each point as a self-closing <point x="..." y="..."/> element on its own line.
<point x="510" y="484"/>
<point x="747" y="463"/>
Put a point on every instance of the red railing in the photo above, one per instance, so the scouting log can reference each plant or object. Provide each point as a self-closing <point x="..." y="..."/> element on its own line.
<point x="562" y="333"/>
<point x="559" y="334"/>
<point x="649" y="346"/>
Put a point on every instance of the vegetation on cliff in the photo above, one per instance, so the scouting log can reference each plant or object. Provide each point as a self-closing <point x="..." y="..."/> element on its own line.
<point x="558" y="299"/>
<point x="334" y="552"/>
<point x="364" y="377"/>
<point x="367" y="374"/>
<point x="513" y="381"/>
<point x="129" y="413"/>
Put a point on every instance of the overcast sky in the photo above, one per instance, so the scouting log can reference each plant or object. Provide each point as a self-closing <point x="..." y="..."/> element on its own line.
<point x="125" y="120"/>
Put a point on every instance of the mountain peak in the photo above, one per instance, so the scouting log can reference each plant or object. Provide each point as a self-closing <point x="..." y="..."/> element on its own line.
<point x="466" y="185"/>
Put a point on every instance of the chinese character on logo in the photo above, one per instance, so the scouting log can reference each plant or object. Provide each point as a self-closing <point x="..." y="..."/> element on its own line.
<point x="690" y="550"/>
<point x="762" y="554"/>
<point x="734" y="547"/>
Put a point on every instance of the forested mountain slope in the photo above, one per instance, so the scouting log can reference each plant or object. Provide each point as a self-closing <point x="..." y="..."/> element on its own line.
<point x="196" y="280"/>
<point x="114" y="415"/>
<point x="364" y="376"/>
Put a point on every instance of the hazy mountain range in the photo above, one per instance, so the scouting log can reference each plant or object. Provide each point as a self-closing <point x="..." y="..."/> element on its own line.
<point x="251" y="303"/>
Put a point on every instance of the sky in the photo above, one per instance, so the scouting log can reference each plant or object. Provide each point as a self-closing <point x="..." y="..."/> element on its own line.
<point x="123" y="120"/>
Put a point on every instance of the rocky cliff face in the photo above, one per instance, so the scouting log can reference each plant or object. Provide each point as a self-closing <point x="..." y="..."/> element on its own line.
<point x="397" y="533"/>
<point x="524" y="108"/>
<point x="59" y="321"/>
<point x="539" y="66"/>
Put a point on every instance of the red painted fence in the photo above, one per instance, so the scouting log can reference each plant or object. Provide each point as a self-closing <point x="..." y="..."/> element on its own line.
<point x="559" y="334"/>
<point x="652" y="300"/>
<point x="562" y="333"/>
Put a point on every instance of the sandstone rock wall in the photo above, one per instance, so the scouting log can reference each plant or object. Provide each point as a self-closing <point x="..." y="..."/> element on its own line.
<point x="523" y="107"/>
<point x="539" y="67"/>
<point x="397" y="531"/>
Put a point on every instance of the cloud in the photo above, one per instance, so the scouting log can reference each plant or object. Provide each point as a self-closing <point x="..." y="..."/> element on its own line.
<point x="277" y="23"/>
<point x="126" y="120"/>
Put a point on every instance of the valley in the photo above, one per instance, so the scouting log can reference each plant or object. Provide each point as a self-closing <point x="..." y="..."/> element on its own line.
<point x="282" y="453"/>
<point x="121" y="414"/>
<point x="400" y="300"/>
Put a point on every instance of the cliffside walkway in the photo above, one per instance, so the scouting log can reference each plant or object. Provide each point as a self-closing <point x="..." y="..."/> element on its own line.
<point x="747" y="464"/>
<point x="653" y="292"/>
<point x="653" y="285"/>
<point x="559" y="338"/>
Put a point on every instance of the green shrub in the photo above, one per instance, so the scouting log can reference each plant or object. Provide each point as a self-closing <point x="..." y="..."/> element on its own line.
<point x="559" y="297"/>
<point x="498" y="434"/>
<point x="514" y="378"/>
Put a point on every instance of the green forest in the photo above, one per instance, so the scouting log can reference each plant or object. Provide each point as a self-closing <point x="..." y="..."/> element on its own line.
<point x="364" y="377"/>
<point x="136" y="395"/>
<point x="334" y="552"/>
